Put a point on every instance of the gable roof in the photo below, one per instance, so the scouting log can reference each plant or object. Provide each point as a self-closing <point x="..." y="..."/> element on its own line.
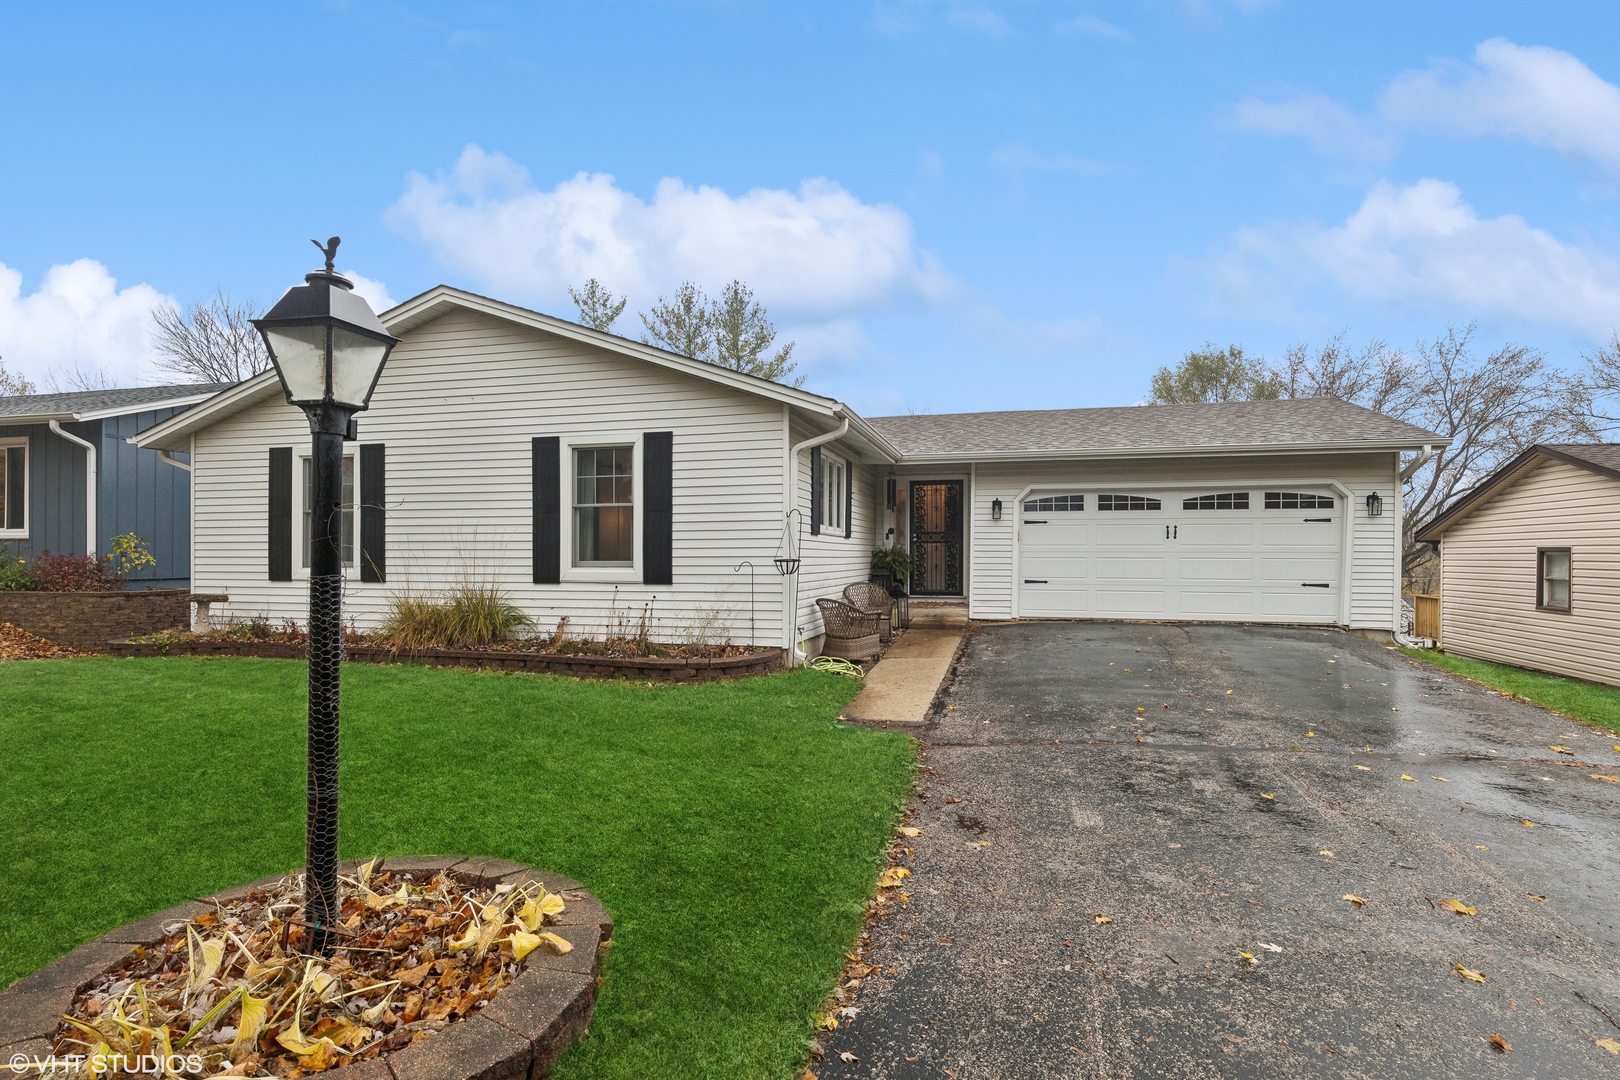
<point x="443" y="299"/>
<point x="95" y="404"/>
<point x="1600" y="458"/>
<point x="1289" y="426"/>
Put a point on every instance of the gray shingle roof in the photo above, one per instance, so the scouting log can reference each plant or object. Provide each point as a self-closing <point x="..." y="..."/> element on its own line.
<point x="1230" y="424"/>
<point x="95" y="401"/>
<point x="1603" y="455"/>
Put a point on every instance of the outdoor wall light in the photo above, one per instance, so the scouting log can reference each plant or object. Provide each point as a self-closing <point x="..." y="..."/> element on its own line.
<point x="328" y="348"/>
<point x="1375" y="505"/>
<point x="995" y="510"/>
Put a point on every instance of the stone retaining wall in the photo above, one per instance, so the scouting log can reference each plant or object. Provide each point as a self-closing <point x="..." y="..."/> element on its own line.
<point x="657" y="669"/>
<point x="89" y="620"/>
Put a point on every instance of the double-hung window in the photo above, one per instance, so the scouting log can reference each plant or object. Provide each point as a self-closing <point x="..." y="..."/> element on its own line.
<point x="604" y="506"/>
<point x="14" y="487"/>
<point x="1552" y="589"/>
<point x="346" y="511"/>
<point x="832" y="493"/>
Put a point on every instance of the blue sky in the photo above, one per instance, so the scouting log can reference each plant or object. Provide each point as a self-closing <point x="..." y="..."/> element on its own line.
<point x="950" y="206"/>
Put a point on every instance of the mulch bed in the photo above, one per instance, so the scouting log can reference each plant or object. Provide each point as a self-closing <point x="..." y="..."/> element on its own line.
<point x="232" y="993"/>
<point x="18" y="644"/>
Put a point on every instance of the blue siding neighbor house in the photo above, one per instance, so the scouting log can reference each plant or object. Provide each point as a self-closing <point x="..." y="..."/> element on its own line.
<point x="70" y="482"/>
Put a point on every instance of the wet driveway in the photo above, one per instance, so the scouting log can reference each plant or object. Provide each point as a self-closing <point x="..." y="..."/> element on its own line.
<point x="1218" y="790"/>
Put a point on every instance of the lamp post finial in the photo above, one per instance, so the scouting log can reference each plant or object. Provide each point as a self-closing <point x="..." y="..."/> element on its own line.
<point x="329" y="249"/>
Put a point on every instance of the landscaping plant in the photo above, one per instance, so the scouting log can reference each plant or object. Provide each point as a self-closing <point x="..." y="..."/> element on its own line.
<point x="15" y="575"/>
<point x="74" y="573"/>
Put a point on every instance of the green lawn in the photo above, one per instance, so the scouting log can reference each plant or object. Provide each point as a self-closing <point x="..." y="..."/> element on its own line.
<point x="733" y="830"/>
<point x="1591" y="702"/>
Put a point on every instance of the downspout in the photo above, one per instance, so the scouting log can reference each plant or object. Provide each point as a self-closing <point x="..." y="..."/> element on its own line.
<point x="89" y="486"/>
<point x="798" y="657"/>
<point x="1417" y="463"/>
<point x="1406" y="474"/>
<point x="163" y="456"/>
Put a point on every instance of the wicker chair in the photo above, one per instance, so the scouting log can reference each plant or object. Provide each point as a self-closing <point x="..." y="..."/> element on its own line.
<point x="851" y="632"/>
<point x="873" y="599"/>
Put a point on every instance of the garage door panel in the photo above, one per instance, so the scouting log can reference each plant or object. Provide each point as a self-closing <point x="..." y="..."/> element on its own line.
<point x="1131" y="603"/>
<point x="1209" y="568"/>
<point x="1313" y="604"/>
<point x="1212" y="534"/>
<point x="1298" y="534"/>
<point x="1053" y="566"/>
<point x="1131" y="534"/>
<point x="1139" y="568"/>
<point x="1214" y="604"/>
<point x="1054" y="536"/>
<point x="1053" y="602"/>
<point x="1297" y="570"/>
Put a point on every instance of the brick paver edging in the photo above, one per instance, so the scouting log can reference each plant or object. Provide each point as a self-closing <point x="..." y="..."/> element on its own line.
<point x="656" y="668"/>
<point x="520" y="1034"/>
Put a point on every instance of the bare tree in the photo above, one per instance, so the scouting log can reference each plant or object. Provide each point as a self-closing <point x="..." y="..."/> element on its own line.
<point x="1597" y="392"/>
<point x="1491" y="409"/>
<point x="78" y="377"/>
<point x="1211" y="374"/>
<point x="598" y="308"/>
<point x="209" y="343"/>
<point x="681" y="325"/>
<point x="14" y="383"/>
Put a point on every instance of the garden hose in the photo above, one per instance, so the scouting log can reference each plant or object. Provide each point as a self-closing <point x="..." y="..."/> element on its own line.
<point x="838" y="666"/>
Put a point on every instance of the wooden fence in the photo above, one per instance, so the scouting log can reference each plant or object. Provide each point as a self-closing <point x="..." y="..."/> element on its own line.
<point x="1426" y="617"/>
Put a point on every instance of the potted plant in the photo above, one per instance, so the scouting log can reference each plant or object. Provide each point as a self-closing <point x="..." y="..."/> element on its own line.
<point x="891" y="567"/>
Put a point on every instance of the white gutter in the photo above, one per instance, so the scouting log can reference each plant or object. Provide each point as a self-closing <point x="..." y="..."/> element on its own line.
<point x="793" y="487"/>
<point x="1417" y="463"/>
<point x="89" y="486"/>
<point x="163" y="456"/>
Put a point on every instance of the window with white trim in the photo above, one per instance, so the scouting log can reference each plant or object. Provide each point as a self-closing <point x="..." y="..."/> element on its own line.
<point x="350" y="501"/>
<point x="1127" y="502"/>
<point x="604" y="506"/>
<point x="14" y="487"/>
<point x="834" y="477"/>
<point x="1225" y="500"/>
<point x="1297" y="500"/>
<point x="1056" y="504"/>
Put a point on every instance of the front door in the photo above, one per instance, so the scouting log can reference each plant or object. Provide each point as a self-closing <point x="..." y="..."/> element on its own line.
<point x="936" y="538"/>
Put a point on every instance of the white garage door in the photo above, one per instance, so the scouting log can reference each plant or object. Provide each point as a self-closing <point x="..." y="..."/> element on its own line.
<point x="1261" y="554"/>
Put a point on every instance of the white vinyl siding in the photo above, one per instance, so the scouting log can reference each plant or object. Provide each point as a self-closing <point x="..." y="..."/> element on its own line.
<point x="1373" y="570"/>
<point x="1488" y="575"/>
<point x="832" y="560"/>
<point x="457" y="406"/>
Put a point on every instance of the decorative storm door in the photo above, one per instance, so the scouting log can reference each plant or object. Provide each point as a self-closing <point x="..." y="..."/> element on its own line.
<point x="936" y="538"/>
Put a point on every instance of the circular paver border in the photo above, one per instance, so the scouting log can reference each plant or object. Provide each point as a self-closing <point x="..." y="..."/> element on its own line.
<point x="520" y="1033"/>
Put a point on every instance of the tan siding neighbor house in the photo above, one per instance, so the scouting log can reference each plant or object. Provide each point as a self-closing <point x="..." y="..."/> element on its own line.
<point x="1530" y="564"/>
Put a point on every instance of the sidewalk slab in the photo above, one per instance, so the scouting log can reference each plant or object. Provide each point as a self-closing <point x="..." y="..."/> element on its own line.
<point x="902" y="685"/>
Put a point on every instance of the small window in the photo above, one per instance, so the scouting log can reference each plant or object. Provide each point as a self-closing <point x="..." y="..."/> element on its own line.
<point x="1553" y="591"/>
<point x="834" y="477"/>
<point x="1296" y="500"/>
<point x="14" y="488"/>
<point x="346" y="540"/>
<point x="1126" y="502"/>
<point x="1055" y="504"/>
<point x="1226" y="500"/>
<point x="604" y="506"/>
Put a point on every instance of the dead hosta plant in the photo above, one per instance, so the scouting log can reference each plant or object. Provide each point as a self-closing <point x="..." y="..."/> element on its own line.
<point x="232" y="993"/>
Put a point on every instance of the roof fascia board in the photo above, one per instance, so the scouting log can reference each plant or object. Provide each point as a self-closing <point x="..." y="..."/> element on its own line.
<point x="148" y="406"/>
<point x="1103" y="453"/>
<point x="39" y="418"/>
<point x="171" y="434"/>
<point x="1485" y="490"/>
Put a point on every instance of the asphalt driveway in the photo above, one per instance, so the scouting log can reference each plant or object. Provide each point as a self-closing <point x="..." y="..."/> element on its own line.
<point x="1167" y="778"/>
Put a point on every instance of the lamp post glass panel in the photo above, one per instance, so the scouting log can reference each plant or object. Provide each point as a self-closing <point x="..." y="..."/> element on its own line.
<point x="328" y="348"/>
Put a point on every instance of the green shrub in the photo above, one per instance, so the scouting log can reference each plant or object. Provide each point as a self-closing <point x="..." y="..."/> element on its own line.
<point x="895" y="560"/>
<point x="467" y="616"/>
<point x="15" y="575"/>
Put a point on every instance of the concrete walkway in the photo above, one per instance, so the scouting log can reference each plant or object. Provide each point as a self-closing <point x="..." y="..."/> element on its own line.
<point x="900" y="688"/>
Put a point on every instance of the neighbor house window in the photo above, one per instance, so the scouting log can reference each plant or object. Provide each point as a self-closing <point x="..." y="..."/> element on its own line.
<point x="832" y="494"/>
<point x="604" y="506"/>
<point x="14" y="488"/>
<point x="1126" y="502"/>
<point x="1553" y="592"/>
<point x="1226" y="500"/>
<point x="1294" y="500"/>
<point x="347" y="538"/>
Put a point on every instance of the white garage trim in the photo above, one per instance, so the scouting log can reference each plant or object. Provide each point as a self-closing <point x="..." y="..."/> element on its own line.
<point x="1346" y="527"/>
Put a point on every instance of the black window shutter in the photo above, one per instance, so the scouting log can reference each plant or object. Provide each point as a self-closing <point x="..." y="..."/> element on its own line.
<point x="281" y="530"/>
<point x="547" y="510"/>
<point x="658" y="508"/>
<point x="849" y="496"/>
<point x="815" y="491"/>
<point x="373" y="513"/>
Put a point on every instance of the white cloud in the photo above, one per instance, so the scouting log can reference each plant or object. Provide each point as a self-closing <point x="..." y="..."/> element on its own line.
<point x="1420" y="246"/>
<point x="77" y="319"/>
<point x="1015" y="157"/>
<point x="815" y="254"/>
<point x="372" y="291"/>
<point x="1090" y="24"/>
<point x="1329" y="126"/>
<point x="1535" y="93"/>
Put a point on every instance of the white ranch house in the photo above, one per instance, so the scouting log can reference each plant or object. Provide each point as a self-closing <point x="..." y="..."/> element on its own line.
<point x="590" y="476"/>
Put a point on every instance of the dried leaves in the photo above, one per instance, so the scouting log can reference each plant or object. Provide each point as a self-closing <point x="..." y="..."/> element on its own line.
<point x="1355" y="900"/>
<point x="1470" y="974"/>
<point x="234" y="986"/>
<point x="1454" y="905"/>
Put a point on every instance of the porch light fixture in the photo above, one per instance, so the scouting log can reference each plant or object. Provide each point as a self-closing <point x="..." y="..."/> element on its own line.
<point x="995" y="509"/>
<point x="1375" y="505"/>
<point x="328" y="348"/>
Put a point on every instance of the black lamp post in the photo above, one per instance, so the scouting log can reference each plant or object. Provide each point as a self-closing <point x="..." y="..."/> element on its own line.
<point x="329" y="348"/>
